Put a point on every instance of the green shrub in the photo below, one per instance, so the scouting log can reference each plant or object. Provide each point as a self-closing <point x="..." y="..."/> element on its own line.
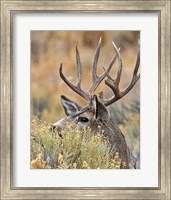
<point x="74" y="149"/>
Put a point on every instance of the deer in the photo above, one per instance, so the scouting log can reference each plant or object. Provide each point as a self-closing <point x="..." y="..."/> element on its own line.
<point x="95" y="113"/>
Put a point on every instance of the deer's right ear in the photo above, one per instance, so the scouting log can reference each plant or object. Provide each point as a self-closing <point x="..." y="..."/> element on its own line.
<point x="101" y="111"/>
<point x="69" y="106"/>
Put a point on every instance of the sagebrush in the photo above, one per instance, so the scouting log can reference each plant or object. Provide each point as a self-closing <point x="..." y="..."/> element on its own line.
<point x="71" y="149"/>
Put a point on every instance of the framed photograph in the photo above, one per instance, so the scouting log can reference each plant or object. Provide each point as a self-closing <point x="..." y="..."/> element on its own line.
<point x="85" y="100"/>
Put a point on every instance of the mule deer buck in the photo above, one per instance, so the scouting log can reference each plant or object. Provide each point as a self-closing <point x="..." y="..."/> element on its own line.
<point x="95" y="114"/>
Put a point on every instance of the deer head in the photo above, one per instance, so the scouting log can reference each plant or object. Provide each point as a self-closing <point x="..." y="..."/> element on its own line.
<point x="95" y="114"/>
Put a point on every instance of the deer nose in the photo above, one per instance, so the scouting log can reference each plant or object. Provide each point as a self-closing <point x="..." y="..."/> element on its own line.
<point x="54" y="128"/>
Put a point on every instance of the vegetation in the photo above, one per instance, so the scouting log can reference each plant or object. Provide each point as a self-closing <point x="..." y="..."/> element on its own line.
<point x="72" y="149"/>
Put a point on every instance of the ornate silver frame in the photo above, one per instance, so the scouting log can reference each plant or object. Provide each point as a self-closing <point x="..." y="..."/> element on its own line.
<point x="162" y="8"/>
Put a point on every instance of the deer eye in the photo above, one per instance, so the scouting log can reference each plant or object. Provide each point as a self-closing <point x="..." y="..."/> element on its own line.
<point x="83" y="119"/>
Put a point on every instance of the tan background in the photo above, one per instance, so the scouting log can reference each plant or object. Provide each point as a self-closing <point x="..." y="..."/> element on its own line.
<point x="50" y="48"/>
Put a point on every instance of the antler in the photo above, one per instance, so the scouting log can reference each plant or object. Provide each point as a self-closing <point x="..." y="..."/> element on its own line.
<point x="114" y="83"/>
<point x="77" y="87"/>
<point x="96" y="80"/>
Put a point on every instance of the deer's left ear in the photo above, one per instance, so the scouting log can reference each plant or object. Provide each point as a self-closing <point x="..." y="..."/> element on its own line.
<point x="101" y="111"/>
<point x="69" y="106"/>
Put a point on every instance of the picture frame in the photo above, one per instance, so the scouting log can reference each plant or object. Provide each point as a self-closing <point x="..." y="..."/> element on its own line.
<point x="8" y="10"/>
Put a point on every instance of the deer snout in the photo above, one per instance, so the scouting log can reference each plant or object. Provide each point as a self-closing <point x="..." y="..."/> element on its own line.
<point x="51" y="129"/>
<point x="54" y="128"/>
<point x="58" y="126"/>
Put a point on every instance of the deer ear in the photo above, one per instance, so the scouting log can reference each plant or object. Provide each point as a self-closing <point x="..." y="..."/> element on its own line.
<point x="101" y="111"/>
<point x="69" y="106"/>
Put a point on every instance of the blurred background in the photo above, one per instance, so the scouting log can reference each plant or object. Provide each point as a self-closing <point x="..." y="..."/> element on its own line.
<point x="50" y="48"/>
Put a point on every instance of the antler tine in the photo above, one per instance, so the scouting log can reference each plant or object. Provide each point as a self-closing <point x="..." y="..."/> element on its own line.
<point x="135" y="76"/>
<point x="138" y="60"/>
<point x="114" y="84"/>
<point x="76" y="88"/>
<point x="96" y="57"/>
<point x="98" y="79"/>
<point x="79" y="68"/>
<point x="118" y="76"/>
